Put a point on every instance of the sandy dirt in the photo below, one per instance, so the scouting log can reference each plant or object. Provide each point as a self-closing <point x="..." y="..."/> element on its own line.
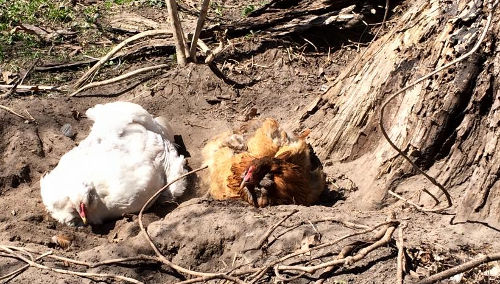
<point x="278" y="79"/>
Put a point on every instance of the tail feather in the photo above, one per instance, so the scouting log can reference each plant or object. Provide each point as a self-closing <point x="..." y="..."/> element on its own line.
<point x="174" y="166"/>
<point x="165" y="127"/>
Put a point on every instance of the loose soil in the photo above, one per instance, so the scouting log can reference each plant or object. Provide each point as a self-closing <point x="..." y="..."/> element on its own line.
<point x="279" y="79"/>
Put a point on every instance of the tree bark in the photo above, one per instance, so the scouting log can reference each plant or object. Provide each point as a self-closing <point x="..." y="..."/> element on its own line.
<point x="449" y="124"/>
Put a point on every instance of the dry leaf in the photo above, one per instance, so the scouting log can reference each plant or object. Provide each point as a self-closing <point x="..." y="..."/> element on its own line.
<point x="8" y="77"/>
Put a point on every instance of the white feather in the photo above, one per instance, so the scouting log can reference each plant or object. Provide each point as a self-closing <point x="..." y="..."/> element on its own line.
<point x="124" y="160"/>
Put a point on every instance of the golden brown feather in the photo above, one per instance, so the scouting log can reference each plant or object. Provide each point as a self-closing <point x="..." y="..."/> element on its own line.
<point x="263" y="165"/>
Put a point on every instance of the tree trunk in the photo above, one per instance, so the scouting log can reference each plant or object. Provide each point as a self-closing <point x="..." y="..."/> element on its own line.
<point x="449" y="124"/>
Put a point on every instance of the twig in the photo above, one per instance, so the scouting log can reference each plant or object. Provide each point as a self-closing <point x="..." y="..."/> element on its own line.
<point x="417" y="206"/>
<point x="460" y="268"/>
<point x="212" y="54"/>
<point x="215" y="276"/>
<point x="180" y="43"/>
<point x="263" y="239"/>
<point x="20" y="82"/>
<point x="199" y="26"/>
<point x="161" y="257"/>
<point x="348" y="224"/>
<point x="401" y="256"/>
<point x="33" y="88"/>
<point x="391" y="97"/>
<point x="14" y="113"/>
<point x="343" y="253"/>
<point x="119" y="78"/>
<point x="279" y="277"/>
<point x="348" y="260"/>
<point x="13" y="274"/>
<point x="32" y="263"/>
<point x="57" y="67"/>
<point x="260" y="272"/>
<point x="117" y="48"/>
<point x="88" y="264"/>
<point x="29" y="70"/>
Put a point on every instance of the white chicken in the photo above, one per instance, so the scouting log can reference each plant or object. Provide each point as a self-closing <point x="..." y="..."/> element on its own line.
<point x="127" y="156"/>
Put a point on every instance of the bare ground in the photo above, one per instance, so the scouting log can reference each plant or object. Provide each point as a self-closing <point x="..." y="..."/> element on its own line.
<point x="276" y="79"/>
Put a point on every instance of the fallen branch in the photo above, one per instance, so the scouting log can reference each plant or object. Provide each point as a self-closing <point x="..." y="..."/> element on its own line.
<point x="391" y="97"/>
<point x="460" y="268"/>
<point x="117" y="48"/>
<point x="119" y="78"/>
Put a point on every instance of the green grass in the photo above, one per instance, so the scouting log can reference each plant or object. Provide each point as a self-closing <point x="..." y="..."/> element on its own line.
<point x="54" y="14"/>
<point x="34" y="12"/>
<point x="247" y="10"/>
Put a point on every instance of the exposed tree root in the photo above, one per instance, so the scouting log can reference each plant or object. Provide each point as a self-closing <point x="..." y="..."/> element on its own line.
<point x="460" y="268"/>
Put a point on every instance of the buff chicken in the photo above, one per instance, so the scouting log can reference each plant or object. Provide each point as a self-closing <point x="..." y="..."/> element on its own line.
<point x="127" y="156"/>
<point x="263" y="165"/>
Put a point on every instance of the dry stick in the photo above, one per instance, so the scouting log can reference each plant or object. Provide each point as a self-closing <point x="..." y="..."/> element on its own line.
<point x="207" y="278"/>
<point x="346" y="250"/>
<point x="260" y="272"/>
<point x="418" y="206"/>
<point x="180" y="44"/>
<point x="117" y="48"/>
<point x="14" y="273"/>
<point x="31" y="87"/>
<point x="199" y="26"/>
<point x="401" y="255"/>
<point x="348" y="260"/>
<point x="460" y="268"/>
<point x="270" y="231"/>
<point x="384" y="105"/>
<point x="63" y="271"/>
<point x="20" y="82"/>
<point x="119" y="78"/>
<point x="161" y="257"/>
<point x="279" y="277"/>
<point x="348" y="224"/>
<point x="88" y="264"/>
<point x="14" y="113"/>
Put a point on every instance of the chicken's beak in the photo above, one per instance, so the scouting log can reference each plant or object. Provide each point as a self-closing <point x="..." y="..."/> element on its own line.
<point x="83" y="213"/>
<point x="246" y="176"/>
<point x="242" y="184"/>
